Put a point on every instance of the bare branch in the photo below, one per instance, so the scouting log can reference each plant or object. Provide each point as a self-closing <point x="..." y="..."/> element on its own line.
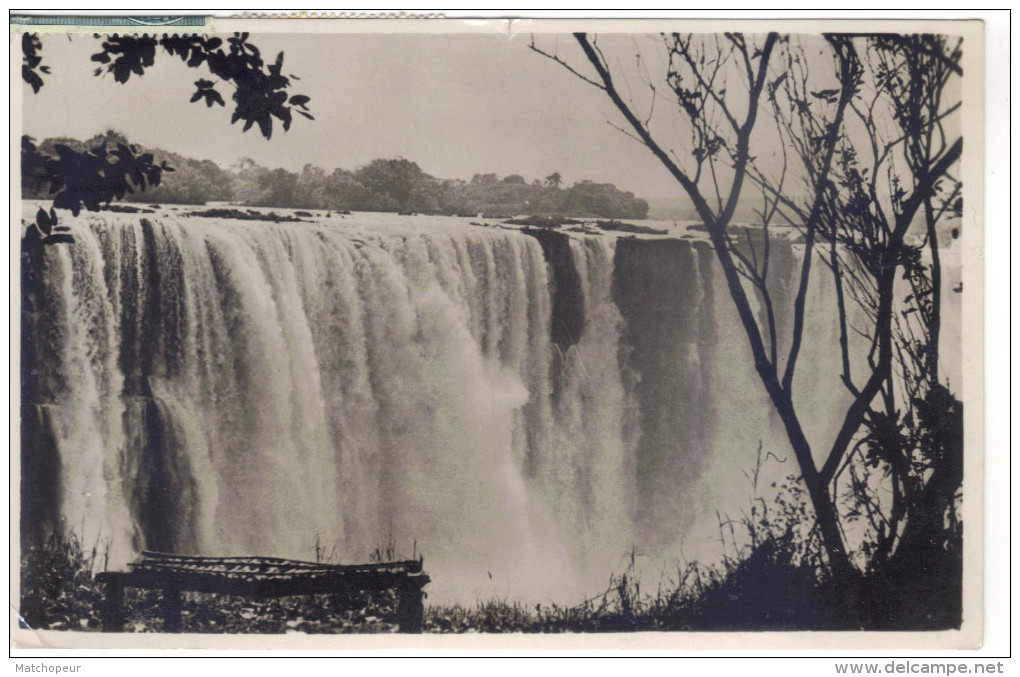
<point x="849" y="77"/>
<point x="563" y="63"/>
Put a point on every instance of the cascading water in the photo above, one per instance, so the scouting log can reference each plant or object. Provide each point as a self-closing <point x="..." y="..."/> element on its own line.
<point x="522" y="408"/>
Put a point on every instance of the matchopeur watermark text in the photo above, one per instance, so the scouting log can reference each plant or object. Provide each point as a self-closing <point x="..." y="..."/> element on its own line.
<point x="44" y="668"/>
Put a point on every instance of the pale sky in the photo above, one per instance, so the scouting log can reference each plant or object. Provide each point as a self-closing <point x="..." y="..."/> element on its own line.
<point x="455" y="104"/>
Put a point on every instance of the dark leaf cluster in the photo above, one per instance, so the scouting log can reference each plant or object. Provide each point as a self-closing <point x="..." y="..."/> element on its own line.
<point x="32" y="62"/>
<point x="259" y="87"/>
<point x="49" y="230"/>
<point x="88" y="179"/>
<point x="886" y="439"/>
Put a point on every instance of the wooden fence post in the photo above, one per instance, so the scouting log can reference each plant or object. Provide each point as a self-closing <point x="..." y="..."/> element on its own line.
<point x="111" y="606"/>
<point x="172" y="604"/>
<point x="410" y="608"/>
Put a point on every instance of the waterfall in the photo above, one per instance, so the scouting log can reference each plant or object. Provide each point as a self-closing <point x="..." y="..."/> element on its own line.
<point x="522" y="408"/>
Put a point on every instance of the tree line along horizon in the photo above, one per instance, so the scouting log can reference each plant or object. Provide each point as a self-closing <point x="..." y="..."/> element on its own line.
<point x="384" y="185"/>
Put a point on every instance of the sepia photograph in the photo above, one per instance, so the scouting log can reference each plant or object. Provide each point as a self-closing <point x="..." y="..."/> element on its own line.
<point x="432" y="328"/>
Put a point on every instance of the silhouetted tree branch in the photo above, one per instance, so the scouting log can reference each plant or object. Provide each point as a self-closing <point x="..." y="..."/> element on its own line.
<point x="100" y="174"/>
<point x="861" y="214"/>
<point x="259" y="87"/>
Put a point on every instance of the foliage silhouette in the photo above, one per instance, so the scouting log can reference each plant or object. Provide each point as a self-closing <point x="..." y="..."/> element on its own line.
<point x="91" y="178"/>
<point x="258" y="96"/>
<point x="101" y="174"/>
<point x="30" y="47"/>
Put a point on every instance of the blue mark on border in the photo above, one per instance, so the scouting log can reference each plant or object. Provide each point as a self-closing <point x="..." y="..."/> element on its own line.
<point x="107" y="21"/>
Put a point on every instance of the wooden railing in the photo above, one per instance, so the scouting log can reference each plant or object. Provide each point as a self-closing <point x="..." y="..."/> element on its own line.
<point x="263" y="577"/>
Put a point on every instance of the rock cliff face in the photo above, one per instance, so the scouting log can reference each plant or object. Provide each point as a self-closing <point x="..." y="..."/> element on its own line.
<point x="665" y="291"/>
